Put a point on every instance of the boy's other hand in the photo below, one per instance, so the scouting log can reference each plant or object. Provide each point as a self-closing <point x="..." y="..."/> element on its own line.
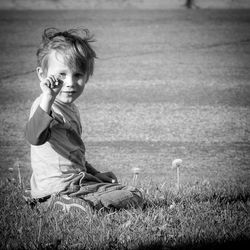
<point x="51" y="85"/>
<point x="90" y="177"/>
<point x="107" y="177"/>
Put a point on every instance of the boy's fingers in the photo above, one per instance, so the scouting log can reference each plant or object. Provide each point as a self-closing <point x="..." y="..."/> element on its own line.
<point x="104" y="177"/>
<point x="59" y="80"/>
<point x="90" y="177"/>
<point x="109" y="177"/>
<point x="96" y="179"/>
<point x="50" y="81"/>
<point x="53" y="81"/>
<point x="53" y="78"/>
<point x="112" y="176"/>
<point x="47" y="83"/>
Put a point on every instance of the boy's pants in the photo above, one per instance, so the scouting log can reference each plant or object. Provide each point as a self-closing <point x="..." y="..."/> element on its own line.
<point x="106" y="195"/>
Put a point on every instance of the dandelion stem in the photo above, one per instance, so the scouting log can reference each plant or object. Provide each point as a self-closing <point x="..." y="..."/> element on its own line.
<point x="135" y="178"/>
<point x="39" y="230"/>
<point x="178" y="178"/>
<point x="19" y="174"/>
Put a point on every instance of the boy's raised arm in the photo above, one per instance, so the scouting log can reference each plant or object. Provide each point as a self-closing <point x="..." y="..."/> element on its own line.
<point x="37" y="130"/>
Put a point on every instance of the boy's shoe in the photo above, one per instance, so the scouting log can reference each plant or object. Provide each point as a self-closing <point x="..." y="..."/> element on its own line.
<point x="68" y="204"/>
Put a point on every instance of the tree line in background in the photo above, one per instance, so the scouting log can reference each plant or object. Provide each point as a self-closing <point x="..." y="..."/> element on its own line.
<point x="189" y="4"/>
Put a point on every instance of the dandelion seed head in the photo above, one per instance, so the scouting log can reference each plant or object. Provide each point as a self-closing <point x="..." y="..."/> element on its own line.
<point x="172" y="205"/>
<point x="136" y="170"/>
<point x="176" y="163"/>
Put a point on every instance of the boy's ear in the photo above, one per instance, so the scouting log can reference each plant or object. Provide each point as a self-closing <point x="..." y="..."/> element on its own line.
<point x="40" y="73"/>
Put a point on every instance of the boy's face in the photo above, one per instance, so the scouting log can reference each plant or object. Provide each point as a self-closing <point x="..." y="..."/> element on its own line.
<point x="73" y="80"/>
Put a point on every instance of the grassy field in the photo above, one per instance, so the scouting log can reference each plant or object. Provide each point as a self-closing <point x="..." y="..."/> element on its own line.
<point x="167" y="84"/>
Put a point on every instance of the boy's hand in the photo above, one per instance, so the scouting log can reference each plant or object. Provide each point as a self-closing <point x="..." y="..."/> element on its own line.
<point x="107" y="177"/>
<point x="51" y="85"/>
<point x="90" y="177"/>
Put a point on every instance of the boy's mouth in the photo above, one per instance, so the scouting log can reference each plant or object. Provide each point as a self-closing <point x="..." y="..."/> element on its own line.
<point x="69" y="92"/>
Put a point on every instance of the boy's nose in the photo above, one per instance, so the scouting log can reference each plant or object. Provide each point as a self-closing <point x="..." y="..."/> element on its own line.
<point x="69" y="81"/>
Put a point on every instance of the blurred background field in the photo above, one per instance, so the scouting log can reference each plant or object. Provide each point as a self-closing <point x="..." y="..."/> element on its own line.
<point x="119" y="4"/>
<point x="170" y="83"/>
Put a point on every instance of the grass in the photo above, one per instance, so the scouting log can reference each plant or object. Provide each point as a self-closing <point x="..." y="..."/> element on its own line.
<point x="201" y="215"/>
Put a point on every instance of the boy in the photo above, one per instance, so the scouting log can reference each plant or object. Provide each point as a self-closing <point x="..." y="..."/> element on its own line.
<point x="61" y="173"/>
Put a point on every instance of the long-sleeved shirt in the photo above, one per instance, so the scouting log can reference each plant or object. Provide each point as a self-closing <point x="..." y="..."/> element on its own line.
<point x="57" y="150"/>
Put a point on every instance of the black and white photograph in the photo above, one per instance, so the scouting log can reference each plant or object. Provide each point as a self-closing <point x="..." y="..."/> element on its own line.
<point x="125" y="124"/>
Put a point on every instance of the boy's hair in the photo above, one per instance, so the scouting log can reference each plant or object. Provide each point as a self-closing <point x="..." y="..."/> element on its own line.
<point x="73" y="44"/>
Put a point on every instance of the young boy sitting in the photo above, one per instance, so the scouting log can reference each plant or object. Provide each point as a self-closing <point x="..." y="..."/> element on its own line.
<point x="61" y="173"/>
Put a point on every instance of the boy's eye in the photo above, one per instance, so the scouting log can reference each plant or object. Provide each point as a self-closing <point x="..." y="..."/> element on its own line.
<point x="62" y="75"/>
<point x="79" y="74"/>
